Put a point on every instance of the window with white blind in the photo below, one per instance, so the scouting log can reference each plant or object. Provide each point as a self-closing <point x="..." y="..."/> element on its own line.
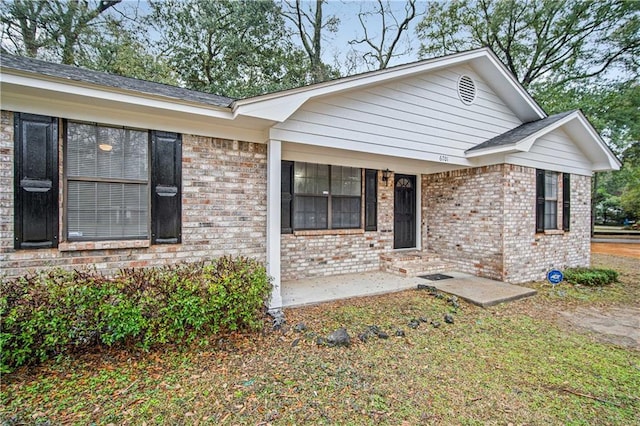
<point x="107" y="178"/>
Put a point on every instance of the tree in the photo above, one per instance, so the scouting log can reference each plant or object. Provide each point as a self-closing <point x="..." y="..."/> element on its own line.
<point x="234" y="48"/>
<point x="310" y="23"/>
<point x="51" y="28"/>
<point x="122" y="49"/>
<point x="382" y="51"/>
<point x="545" y="41"/>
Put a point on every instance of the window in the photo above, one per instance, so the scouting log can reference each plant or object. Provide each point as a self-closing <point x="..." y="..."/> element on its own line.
<point x="550" y="200"/>
<point x="107" y="182"/>
<point x="320" y="196"/>
<point x="119" y="183"/>
<point x="548" y="186"/>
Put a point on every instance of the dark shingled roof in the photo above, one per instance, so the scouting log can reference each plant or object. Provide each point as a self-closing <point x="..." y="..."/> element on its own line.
<point x="521" y="132"/>
<point x="103" y="79"/>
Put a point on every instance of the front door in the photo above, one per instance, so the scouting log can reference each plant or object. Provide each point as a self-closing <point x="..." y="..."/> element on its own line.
<point x="404" y="212"/>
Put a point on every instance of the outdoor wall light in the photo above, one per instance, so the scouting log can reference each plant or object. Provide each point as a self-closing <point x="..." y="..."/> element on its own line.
<point x="105" y="147"/>
<point x="385" y="176"/>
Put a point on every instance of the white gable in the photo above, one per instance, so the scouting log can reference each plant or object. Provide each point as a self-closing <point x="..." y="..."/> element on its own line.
<point x="553" y="151"/>
<point x="420" y="117"/>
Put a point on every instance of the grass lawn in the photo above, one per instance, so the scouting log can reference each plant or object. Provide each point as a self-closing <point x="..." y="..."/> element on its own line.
<point x="514" y="363"/>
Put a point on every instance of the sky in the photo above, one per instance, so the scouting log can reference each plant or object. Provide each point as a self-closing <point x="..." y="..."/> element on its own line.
<point x="336" y="45"/>
<point x="350" y="28"/>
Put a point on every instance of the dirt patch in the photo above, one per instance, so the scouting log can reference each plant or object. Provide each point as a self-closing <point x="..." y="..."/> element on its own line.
<point x="617" y="249"/>
<point x="620" y="326"/>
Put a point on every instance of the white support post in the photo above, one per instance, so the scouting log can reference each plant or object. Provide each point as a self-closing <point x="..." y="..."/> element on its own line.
<point x="274" y="157"/>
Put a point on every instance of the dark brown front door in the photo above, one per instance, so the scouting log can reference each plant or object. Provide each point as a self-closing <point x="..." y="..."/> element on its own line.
<point x="404" y="212"/>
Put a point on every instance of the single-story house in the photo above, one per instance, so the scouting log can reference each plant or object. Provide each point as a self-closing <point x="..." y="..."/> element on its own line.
<point x="447" y="157"/>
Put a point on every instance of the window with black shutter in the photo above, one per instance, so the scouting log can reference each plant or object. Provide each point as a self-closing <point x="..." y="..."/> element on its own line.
<point x="166" y="187"/>
<point x="370" y="200"/>
<point x="286" y="196"/>
<point x="320" y="196"/>
<point x="36" y="181"/>
<point x="566" y="201"/>
<point x="122" y="183"/>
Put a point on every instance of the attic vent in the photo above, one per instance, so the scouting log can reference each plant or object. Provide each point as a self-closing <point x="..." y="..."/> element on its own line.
<point x="466" y="89"/>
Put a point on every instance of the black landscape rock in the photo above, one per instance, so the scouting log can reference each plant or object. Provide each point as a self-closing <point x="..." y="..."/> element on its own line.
<point x="400" y="333"/>
<point x="278" y="319"/>
<point x="340" y="337"/>
<point x="448" y="318"/>
<point x="414" y="323"/>
<point x="382" y="335"/>
<point x="435" y="324"/>
<point x="300" y="327"/>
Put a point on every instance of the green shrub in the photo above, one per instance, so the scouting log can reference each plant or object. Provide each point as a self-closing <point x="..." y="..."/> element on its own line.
<point x="592" y="277"/>
<point x="50" y="313"/>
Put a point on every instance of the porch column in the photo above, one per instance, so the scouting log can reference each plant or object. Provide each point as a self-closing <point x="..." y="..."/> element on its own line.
<point x="274" y="157"/>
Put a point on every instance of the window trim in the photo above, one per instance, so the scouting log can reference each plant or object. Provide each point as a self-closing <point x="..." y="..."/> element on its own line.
<point x="562" y="201"/>
<point x="65" y="210"/>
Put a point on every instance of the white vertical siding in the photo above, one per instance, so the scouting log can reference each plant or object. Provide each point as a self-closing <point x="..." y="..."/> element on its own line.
<point x="420" y="118"/>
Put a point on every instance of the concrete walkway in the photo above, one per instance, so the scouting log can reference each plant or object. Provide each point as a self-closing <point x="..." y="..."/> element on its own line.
<point x="479" y="291"/>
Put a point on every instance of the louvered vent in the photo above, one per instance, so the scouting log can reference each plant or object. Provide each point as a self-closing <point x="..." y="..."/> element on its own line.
<point x="466" y="89"/>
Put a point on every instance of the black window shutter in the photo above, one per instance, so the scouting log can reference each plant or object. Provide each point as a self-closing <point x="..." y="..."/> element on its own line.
<point x="539" y="200"/>
<point x="566" y="201"/>
<point x="370" y="200"/>
<point x="166" y="187"/>
<point x="286" y="196"/>
<point x="36" y="181"/>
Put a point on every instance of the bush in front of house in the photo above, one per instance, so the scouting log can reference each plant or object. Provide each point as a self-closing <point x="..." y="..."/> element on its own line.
<point x="51" y="313"/>
<point x="592" y="277"/>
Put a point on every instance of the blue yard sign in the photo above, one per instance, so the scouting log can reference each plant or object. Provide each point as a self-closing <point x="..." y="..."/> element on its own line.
<point x="555" y="276"/>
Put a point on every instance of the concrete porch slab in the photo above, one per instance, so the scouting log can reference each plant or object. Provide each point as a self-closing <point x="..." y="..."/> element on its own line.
<point x="479" y="291"/>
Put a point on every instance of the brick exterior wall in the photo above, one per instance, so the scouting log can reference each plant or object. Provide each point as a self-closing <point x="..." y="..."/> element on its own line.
<point x="528" y="256"/>
<point x="224" y="183"/>
<point x="321" y="253"/>
<point x="6" y="185"/>
<point x="462" y="219"/>
<point x="482" y="220"/>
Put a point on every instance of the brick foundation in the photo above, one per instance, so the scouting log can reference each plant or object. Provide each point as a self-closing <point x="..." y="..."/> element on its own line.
<point x="224" y="184"/>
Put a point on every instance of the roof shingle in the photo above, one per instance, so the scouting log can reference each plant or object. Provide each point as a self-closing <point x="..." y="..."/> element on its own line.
<point x="521" y="132"/>
<point x="69" y="72"/>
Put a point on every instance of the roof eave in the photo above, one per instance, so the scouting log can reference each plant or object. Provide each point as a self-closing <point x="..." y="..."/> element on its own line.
<point x="10" y="76"/>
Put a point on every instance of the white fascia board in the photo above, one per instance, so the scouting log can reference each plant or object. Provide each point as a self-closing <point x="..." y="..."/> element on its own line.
<point x="69" y="106"/>
<point x="611" y="161"/>
<point x="508" y="87"/>
<point x="504" y="149"/>
<point x="91" y="91"/>
<point x="281" y="105"/>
